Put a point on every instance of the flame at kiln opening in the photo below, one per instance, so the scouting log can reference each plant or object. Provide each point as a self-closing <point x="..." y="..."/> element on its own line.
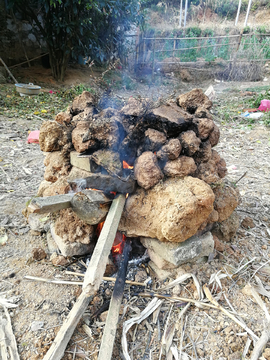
<point x="119" y="241"/>
<point x="127" y="166"/>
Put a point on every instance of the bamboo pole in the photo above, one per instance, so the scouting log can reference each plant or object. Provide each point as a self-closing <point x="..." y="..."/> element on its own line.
<point x="181" y="13"/>
<point x="185" y="19"/>
<point x="238" y="12"/>
<point x="248" y="10"/>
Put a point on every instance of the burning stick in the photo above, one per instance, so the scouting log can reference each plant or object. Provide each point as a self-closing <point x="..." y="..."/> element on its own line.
<point x="92" y="280"/>
<point x="107" y="342"/>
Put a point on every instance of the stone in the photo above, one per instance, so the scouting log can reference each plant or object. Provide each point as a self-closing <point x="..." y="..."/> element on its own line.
<point x="227" y="199"/>
<point x="84" y="163"/>
<point x="146" y="170"/>
<point x="100" y="181"/>
<point x="38" y="222"/>
<point x="71" y="248"/>
<point x="227" y="229"/>
<point x="57" y="165"/>
<point x="52" y="246"/>
<point x="59" y="260"/>
<point x="78" y="137"/>
<point x="38" y="254"/>
<point x="170" y="151"/>
<point x="177" y="254"/>
<point x="219" y="246"/>
<point x="247" y="223"/>
<point x="61" y="186"/>
<point x="91" y="206"/>
<point x="266" y="353"/>
<point x="109" y="160"/>
<point x="182" y="166"/>
<point x="205" y="127"/>
<point x="214" y="136"/>
<point x="86" y="99"/>
<point x="194" y="99"/>
<point x="63" y="118"/>
<point x="190" y="142"/>
<point x="135" y="107"/>
<point x="86" y="115"/>
<point x="103" y="316"/>
<point x="161" y="274"/>
<point x="172" y="210"/>
<point x="37" y="325"/>
<point x="53" y="136"/>
<point x="159" y="261"/>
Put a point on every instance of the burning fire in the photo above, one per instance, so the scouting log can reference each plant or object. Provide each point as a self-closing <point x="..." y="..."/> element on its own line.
<point x="126" y="165"/>
<point x="119" y="241"/>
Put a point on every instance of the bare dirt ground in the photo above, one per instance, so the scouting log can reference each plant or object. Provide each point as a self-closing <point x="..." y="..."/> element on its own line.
<point x="196" y="332"/>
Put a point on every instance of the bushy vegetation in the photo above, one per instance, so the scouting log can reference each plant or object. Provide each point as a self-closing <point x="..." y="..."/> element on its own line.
<point x="92" y="28"/>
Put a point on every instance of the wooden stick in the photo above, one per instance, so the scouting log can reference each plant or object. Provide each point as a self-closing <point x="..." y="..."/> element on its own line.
<point x="68" y="282"/>
<point x="107" y="342"/>
<point x="92" y="279"/>
<point x="106" y="278"/>
<point x="7" y="340"/>
<point x="2" y="61"/>
<point x="43" y="205"/>
<point x="260" y="344"/>
<point x="226" y="312"/>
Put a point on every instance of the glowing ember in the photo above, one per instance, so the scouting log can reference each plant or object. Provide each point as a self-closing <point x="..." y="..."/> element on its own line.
<point x="118" y="245"/>
<point x="119" y="241"/>
<point x="126" y="166"/>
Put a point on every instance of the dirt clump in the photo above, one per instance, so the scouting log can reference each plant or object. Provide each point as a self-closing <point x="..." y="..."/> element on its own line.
<point x="146" y="170"/>
<point x="193" y="99"/>
<point x="170" y="211"/>
<point x="71" y="229"/>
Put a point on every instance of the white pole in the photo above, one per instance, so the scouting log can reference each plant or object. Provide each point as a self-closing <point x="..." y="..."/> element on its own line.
<point x="248" y="9"/>
<point x="238" y="12"/>
<point x="181" y="11"/>
<point x="185" y="20"/>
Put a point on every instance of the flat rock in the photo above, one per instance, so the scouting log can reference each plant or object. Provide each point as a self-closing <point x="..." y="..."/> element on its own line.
<point x="177" y="254"/>
<point x="170" y="211"/>
<point x="103" y="182"/>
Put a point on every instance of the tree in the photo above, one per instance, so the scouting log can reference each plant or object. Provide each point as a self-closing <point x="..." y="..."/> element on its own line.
<point x="78" y="27"/>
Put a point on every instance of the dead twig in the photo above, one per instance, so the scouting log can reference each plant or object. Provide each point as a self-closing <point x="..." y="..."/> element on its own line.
<point x="226" y="312"/>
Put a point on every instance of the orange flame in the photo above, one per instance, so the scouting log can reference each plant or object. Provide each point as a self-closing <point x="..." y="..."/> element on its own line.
<point x="118" y="244"/>
<point x="126" y="165"/>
